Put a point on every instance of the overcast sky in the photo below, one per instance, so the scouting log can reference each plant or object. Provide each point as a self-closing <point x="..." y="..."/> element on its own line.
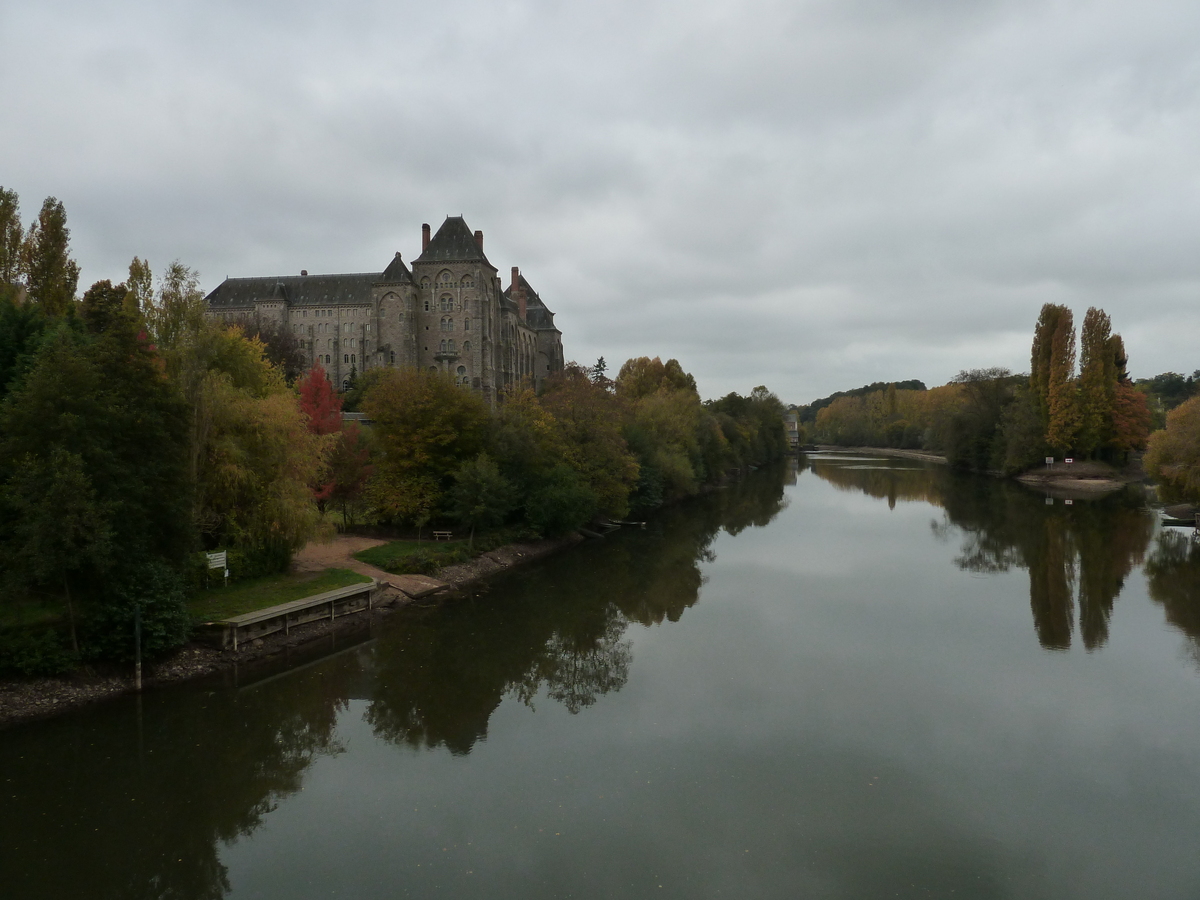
<point x="807" y="195"/>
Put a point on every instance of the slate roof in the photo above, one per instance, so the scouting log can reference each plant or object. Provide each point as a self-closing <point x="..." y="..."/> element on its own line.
<point x="300" y="290"/>
<point x="537" y="314"/>
<point x="454" y="242"/>
<point x="396" y="271"/>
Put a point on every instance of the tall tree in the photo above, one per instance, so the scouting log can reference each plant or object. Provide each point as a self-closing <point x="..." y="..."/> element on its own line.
<point x="11" y="235"/>
<point x="141" y="284"/>
<point x="51" y="275"/>
<point x="1062" y="393"/>
<point x="1048" y="325"/>
<point x="1097" y="382"/>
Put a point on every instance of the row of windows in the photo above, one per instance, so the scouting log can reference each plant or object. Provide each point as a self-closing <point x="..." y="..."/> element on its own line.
<point x="446" y="304"/>
<point x="445" y="279"/>
<point x="448" y="324"/>
<point x="330" y="343"/>
<point x="352" y="358"/>
<point x="355" y="312"/>
<point x="325" y="327"/>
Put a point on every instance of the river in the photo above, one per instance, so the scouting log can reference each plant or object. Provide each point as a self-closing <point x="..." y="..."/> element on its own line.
<point x="854" y="678"/>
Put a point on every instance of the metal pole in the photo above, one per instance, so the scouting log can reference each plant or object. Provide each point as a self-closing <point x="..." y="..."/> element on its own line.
<point x="137" y="647"/>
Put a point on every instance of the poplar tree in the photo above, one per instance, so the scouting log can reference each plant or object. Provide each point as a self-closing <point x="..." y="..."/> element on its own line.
<point x="1039" y="363"/>
<point x="1062" y="405"/>
<point x="1097" y="382"/>
<point x="11" y="234"/>
<point x="50" y="273"/>
<point x="140" y="284"/>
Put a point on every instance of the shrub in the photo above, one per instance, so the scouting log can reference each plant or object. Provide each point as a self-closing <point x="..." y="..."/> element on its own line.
<point x="108" y="630"/>
<point x="30" y="652"/>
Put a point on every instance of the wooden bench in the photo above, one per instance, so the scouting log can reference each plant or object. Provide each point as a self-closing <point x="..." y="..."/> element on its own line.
<point x="442" y="535"/>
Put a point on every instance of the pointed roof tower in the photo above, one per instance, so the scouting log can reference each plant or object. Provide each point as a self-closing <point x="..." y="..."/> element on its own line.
<point x="454" y="242"/>
<point x="396" y="272"/>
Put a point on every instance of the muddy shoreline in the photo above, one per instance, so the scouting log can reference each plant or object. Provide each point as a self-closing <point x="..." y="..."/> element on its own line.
<point x="27" y="699"/>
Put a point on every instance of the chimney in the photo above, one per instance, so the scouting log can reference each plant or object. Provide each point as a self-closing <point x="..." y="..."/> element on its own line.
<point x="304" y="271"/>
<point x="479" y="240"/>
<point x="518" y="292"/>
<point x="424" y="238"/>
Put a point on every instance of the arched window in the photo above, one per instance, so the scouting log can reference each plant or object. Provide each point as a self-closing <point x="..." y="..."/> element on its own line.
<point x="425" y="282"/>
<point x="352" y="359"/>
<point x="426" y="306"/>
<point x="468" y="281"/>
<point x="447" y="303"/>
<point x="445" y="277"/>
<point x="393" y="357"/>
<point x="466" y="324"/>
<point x="442" y="347"/>
<point x="466" y="346"/>
<point x="462" y="370"/>
<point x="450" y="346"/>
<point x="346" y="385"/>
<point x="345" y="357"/>
<point x="433" y="368"/>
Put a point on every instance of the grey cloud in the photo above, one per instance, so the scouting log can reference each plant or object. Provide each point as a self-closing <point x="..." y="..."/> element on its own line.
<point x="808" y="195"/>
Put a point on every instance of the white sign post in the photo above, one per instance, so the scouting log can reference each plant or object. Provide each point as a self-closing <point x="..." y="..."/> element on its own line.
<point x="219" y="560"/>
<point x="1049" y="462"/>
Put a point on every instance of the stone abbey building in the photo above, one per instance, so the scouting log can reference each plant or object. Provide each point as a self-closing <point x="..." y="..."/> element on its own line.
<point x="449" y="313"/>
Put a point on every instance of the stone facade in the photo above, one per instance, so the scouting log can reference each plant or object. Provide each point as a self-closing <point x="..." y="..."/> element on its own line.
<point x="448" y="313"/>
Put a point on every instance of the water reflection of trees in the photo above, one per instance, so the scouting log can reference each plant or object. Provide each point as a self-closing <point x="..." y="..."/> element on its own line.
<point x="1077" y="555"/>
<point x="110" y="803"/>
<point x="884" y="480"/>
<point x="557" y="630"/>
<point x="95" y="809"/>
<point x="1173" y="574"/>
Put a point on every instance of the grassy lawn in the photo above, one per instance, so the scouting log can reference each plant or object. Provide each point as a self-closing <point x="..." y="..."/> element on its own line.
<point x="386" y="556"/>
<point x="18" y="612"/>
<point x="270" y="590"/>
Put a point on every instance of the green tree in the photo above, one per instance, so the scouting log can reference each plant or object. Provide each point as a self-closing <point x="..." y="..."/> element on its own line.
<point x="51" y="275"/>
<point x="425" y="428"/>
<point x="589" y="423"/>
<point x="93" y="436"/>
<point x="11" y="237"/>
<point x="481" y="497"/>
<point x="1097" y="383"/>
<point x="61" y="532"/>
<point x="1062" y="402"/>
<point x="140" y="284"/>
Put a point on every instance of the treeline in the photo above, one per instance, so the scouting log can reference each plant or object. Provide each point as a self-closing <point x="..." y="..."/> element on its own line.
<point x="992" y="420"/>
<point x="808" y="414"/>
<point x="587" y="446"/>
<point x="135" y="432"/>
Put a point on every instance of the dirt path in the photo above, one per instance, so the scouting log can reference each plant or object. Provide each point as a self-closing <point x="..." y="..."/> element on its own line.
<point x="338" y="553"/>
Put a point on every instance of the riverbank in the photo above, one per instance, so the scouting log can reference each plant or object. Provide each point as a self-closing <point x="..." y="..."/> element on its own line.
<point x="26" y="699"/>
<point x="1085" y="477"/>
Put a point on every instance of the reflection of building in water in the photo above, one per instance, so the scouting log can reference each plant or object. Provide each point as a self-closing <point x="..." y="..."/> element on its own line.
<point x="791" y="427"/>
<point x="1078" y="555"/>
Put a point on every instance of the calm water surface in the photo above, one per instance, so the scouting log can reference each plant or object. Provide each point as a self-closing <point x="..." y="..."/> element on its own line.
<point x="861" y="679"/>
